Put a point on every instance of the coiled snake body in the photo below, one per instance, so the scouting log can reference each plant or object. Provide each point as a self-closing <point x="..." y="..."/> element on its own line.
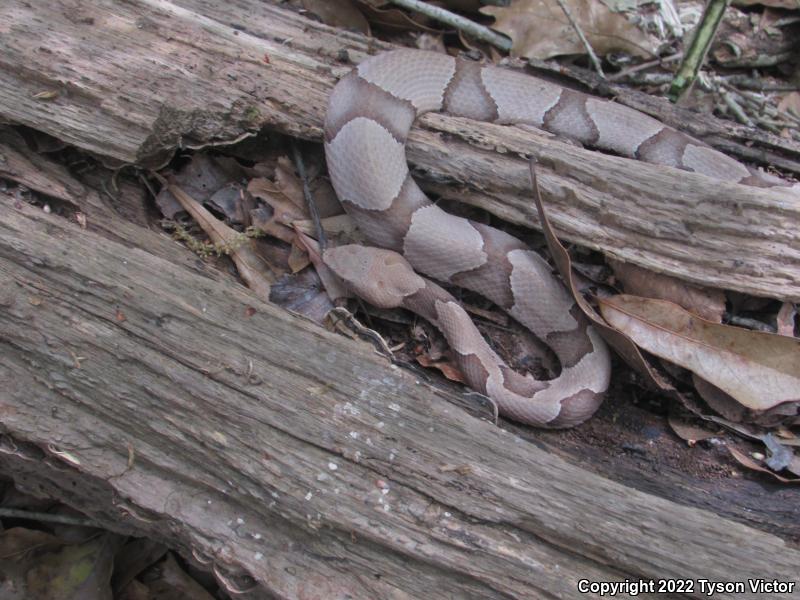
<point x="369" y="116"/>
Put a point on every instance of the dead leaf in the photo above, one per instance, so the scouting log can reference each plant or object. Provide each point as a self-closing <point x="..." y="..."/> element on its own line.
<point x="383" y="14"/>
<point x="689" y="432"/>
<point x="448" y="369"/>
<point x="705" y="302"/>
<point x="752" y="464"/>
<point x="252" y="268"/>
<point x="786" y="318"/>
<point x="791" y="101"/>
<point x="303" y="294"/>
<point x="285" y="209"/>
<point x="719" y="401"/>
<point x="616" y="339"/>
<point x="342" y="227"/>
<point x="760" y="370"/>
<point x="298" y="259"/>
<point x="540" y="29"/>
<point x="332" y="284"/>
<point x="201" y="178"/>
<point x="338" y="13"/>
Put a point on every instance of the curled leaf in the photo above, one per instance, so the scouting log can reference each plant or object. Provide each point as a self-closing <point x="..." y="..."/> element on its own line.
<point x="759" y="370"/>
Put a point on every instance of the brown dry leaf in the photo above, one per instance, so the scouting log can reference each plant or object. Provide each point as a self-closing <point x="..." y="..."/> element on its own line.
<point x="201" y="178"/>
<point x="286" y="209"/>
<point x="705" y="302"/>
<point x="382" y="14"/>
<point x="620" y="342"/>
<point x="719" y="401"/>
<point x="752" y="464"/>
<point x="338" y="13"/>
<point x="252" y="268"/>
<point x="342" y="227"/>
<point x="760" y="370"/>
<point x="288" y="183"/>
<point x="791" y="102"/>
<point x="432" y="42"/>
<point x="540" y="29"/>
<point x="447" y="368"/>
<point x="785" y="319"/>
<point x="330" y="282"/>
<point x="689" y="432"/>
<point x="298" y="258"/>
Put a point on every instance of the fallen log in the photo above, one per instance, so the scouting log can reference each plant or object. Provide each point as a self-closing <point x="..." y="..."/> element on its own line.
<point x="132" y="82"/>
<point x="170" y="405"/>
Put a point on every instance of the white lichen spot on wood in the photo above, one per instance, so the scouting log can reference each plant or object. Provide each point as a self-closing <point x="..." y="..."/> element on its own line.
<point x="348" y="408"/>
<point x="219" y="437"/>
<point x="309" y="495"/>
<point x="394" y="406"/>
<point x="333" y="466"/>
<point x="258" y="556"/>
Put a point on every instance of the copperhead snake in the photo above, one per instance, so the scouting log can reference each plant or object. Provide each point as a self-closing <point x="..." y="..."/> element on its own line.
<point x="370" y="113"/>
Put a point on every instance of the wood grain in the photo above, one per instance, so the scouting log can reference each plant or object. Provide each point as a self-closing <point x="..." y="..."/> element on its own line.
<point x="280" y="451"/>
<point x="135" y="81"/>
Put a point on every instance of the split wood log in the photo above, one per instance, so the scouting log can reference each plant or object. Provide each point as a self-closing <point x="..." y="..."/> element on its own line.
<point x="134" y="81"/>
<point x="167" y="404"/>
<point x="654" y="468"/>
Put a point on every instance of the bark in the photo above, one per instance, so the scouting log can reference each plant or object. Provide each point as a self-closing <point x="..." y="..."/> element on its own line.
<point x="162" y="406"/>
<point x="132" y="82"/>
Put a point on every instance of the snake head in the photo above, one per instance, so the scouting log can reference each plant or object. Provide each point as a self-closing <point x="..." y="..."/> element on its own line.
<point x="381" y="277"/>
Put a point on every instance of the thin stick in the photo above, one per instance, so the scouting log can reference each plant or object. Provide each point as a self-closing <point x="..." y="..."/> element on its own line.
<point x="479" y="32"/>
<point x="645" y="65"/>
<point x="584" y="41"/>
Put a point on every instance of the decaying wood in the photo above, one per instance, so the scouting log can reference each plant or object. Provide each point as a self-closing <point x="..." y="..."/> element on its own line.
<point x="133" y="81"/>
<point x="162" y="406"/>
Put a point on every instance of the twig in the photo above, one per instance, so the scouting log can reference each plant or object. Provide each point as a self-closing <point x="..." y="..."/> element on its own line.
<point x="645" y="65"/>
<point x="735" y="108"/>
<point x="584" y="41"/>
<point x="471" y="28"/>
<point x="696" y="53"/>
<point x="312" y="206"/>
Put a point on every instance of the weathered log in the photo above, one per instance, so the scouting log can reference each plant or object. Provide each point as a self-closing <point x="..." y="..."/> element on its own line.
<point x="134" y="81"/>
<point x="152" y="398"/>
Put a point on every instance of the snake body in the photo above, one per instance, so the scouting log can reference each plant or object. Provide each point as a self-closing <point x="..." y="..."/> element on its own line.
<point x="370" y="113"/>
